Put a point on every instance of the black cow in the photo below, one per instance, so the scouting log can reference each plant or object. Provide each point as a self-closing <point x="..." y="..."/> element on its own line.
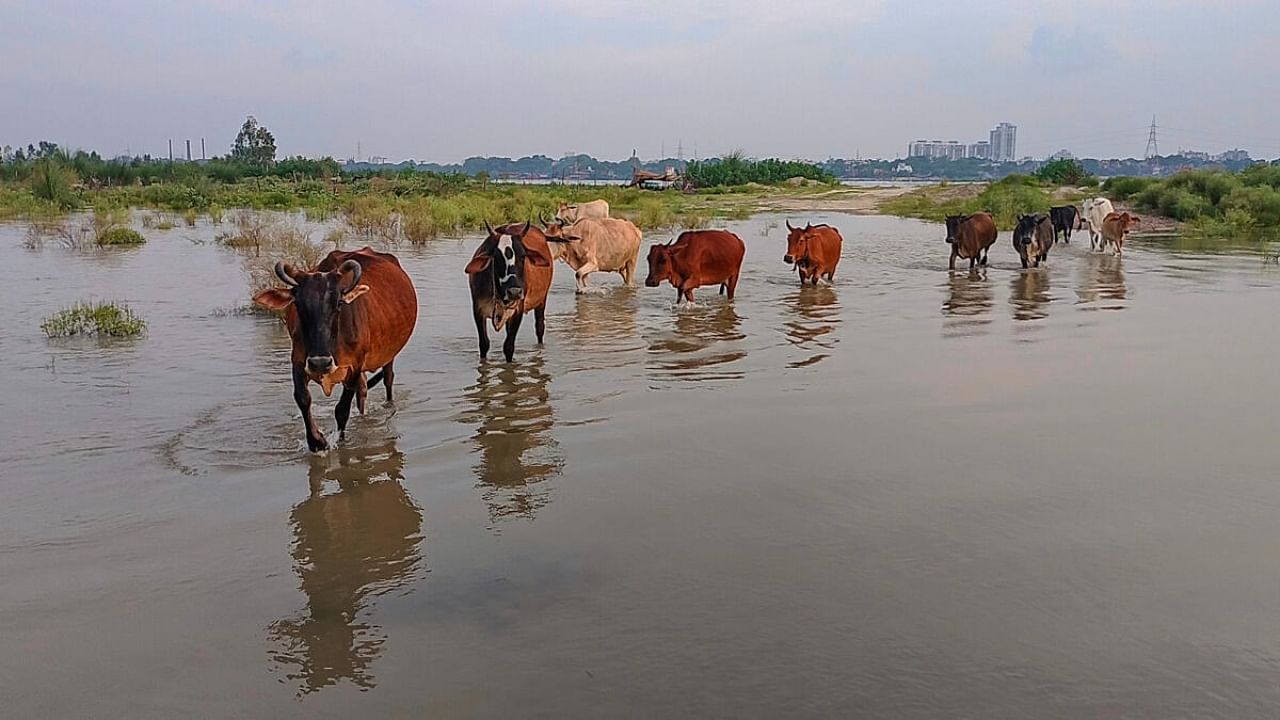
<point x="1065" y="219"/>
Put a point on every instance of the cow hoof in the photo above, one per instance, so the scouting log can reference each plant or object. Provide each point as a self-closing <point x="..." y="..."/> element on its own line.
<point x="317" y="443"/>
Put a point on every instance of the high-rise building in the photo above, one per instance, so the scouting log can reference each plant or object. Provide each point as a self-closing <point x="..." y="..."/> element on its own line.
<point x="1004" y="143"/>
<point x="980" y="150"/>
<point x="937" y="150"/>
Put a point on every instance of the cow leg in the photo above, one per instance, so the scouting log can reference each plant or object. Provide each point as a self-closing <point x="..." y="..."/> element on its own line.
<point x="985" y="254"/>
<point x="629" y="274"/>
<point x="583" y="273"/>
<point x="302" y="396"/>
<point x="733" y="285"/>
<point x="343" y="411"/>
<point x="481" y="332"/>
<point x="362" y="392"/>
<point x="509" y="345"/>
<point x="951" y="265"/>
<point x="1024" y="263"/>
<point x="540" y="322"/>
<point x="725" y="286"/>
<point x="388" y="377"/>
<point x="973" y="261"/>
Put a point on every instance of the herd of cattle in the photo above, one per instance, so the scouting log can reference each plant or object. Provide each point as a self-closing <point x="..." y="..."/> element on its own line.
<point x="336" y="340"/>
<point x="970" y="236"/>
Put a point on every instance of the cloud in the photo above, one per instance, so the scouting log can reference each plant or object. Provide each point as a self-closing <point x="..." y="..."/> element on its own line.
<point x="1056" y="50"/>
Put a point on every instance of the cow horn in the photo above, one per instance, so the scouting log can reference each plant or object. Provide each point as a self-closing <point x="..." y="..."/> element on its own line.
<point x="487" y="228"/>
<point x="789" y="228"/>
<point x="527" y="224"/>
<point x="353" y="267"/>
<point x="808" y="227"/>
<point x="542" y="219"/>
<point x="285" y="273"/>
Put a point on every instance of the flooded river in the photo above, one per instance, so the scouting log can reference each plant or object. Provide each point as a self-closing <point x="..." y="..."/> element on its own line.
<point x="1051" y="493"/>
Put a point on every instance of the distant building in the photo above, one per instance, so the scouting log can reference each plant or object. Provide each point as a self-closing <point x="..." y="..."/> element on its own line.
<point x="1063" y="154"/>
<point x="1233" y="156"/>
<point x="937" y="150"/>
<point x="1194" y="155"/>
<point x="1004" y="142"/>
<point x="980" y="150"/>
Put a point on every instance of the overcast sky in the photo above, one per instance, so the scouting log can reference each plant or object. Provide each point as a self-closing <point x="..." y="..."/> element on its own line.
<point x="442" y="81"/>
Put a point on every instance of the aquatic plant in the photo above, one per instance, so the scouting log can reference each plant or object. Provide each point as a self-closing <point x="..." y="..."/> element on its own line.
<point x="190" y="217"/>
<point x="94" y="319"/>
<point x="121" y="236"/>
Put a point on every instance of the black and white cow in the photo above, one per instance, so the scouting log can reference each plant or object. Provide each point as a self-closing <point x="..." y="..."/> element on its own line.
<point x="509" y="275"/>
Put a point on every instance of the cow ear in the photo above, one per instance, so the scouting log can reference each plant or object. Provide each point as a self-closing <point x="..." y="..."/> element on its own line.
<point x="535" y="256"/>
<point x="273" y="299"/>
<point x="354" y="293"/>
<point x="479" y="263"/>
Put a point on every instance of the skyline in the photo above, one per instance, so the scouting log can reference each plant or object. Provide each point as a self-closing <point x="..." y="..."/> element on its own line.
<point x="437" y="81"/>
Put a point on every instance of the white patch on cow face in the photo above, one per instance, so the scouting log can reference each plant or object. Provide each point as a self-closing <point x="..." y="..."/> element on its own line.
<point x="506" y="250"/>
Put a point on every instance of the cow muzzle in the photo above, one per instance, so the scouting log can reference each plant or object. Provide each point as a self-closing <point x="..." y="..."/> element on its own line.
<point x="650" y="282"/>
<point x="788" y="259"/>
<point x="320" y="364"/>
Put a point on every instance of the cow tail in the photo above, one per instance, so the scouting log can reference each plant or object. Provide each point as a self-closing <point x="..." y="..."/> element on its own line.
<point x="376" y="378"/>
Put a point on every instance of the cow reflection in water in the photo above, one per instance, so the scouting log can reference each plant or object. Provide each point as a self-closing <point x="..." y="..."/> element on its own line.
<point x="350" y="545"/>
<point x="513" y="419"/>
<point x="1102" y="278"/>
<point x="1029" y="294"/>
<point x="967" y="308"/>
<point x="693" y="350"/>
<point x="816" y="315"/>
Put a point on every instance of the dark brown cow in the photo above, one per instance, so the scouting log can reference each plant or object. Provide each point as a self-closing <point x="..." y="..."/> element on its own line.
<point x="697" y="258"/>
<point x="1032" y="238"/>
<point x="815" y="249"/>
<point x="509" y="276"/>
<point x="352" y="314"/>
<point x="1115" y="228"/>
<point x="970" y="236"/>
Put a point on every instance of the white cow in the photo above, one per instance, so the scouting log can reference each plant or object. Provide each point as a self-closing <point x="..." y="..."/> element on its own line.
<point x="572" y="213"/>
<point x="1095" y="211"/>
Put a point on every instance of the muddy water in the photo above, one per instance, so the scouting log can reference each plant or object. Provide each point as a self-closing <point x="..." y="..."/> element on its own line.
<point x="917" y="493"/>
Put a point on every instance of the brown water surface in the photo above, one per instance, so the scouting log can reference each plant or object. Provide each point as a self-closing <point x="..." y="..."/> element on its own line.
<point x="1044" y="493"/>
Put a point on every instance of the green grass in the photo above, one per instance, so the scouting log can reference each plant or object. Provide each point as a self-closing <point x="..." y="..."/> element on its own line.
<point x="94" y="319"/>
<point x="121" y="236"/>
<point x="1005" y="200"/>
<point x="1212" y="203"/>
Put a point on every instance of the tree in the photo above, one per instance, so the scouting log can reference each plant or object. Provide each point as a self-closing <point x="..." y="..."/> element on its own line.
<point x="255" y="144"/>
<point x="1063" y="171"/>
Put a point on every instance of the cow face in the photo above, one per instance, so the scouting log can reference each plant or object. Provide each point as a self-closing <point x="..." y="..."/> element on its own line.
<point x="797" y="244"/>
<point x="503" y="256"/>
<point x="318" y="298"/>
<point x="1025" y="230"/>
<point x="660" y="265"/>
<point x="567" y="213"/>
<point x="953" y="226"/>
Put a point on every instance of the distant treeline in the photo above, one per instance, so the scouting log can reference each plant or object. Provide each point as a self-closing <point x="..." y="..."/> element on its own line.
<point x="532" y="166"/>
<point x="977" y="169"/>
<point x="734" y="169"/>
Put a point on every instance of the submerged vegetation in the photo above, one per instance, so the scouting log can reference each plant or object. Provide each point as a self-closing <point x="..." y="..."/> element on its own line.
<point x="121" y="236"/>
<point x="94" y="319"/>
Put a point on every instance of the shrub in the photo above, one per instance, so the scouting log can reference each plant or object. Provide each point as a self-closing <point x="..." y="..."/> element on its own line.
<point x="121" y="236"/>
<point x="94" y="319"/>
<point x="1063" y="171"/>
<point x="53" y="182"/>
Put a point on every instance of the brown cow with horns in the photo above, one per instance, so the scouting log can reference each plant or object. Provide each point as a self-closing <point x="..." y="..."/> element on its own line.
<point x="352" y="314"/>
<point x="815" y="249"/>
<point x="697" y="258"/>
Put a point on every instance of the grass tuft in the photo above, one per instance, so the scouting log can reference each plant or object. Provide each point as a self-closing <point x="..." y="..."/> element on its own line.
<point x="94" y="319"/>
